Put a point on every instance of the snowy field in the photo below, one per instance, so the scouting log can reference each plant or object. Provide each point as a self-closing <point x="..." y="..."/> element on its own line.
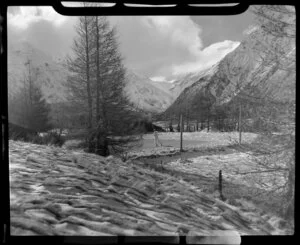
<point x="233" y="165"/>
<point x="207" y="153"/>
<point x="230" y="162"/>
<point x="196" y="139"/>
<point x="57" y="191"/>
<point x="191" y="140"/>
<point x="54" y="191"/>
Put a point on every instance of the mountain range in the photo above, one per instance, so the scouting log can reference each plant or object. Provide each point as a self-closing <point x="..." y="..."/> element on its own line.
<point x="51" y="75"/>
<point x="248" y="65"/>
<point x="146" y="94"/>
<point x="221" y="81"/>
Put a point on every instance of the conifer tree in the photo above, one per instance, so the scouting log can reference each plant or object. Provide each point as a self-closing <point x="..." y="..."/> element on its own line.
<point x="97" y="84"/>
<point x="28" y="108"/>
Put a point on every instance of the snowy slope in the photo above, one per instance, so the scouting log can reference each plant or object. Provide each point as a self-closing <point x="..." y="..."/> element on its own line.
<point x="50" y="75"/>
<point x="239" y="68"/>
<point x="142" y="91"/>
<point x="165" y="86"/>
<point x="54" y="191"/>
<point x="186" y="80"/>
<point x="146" y="94"/>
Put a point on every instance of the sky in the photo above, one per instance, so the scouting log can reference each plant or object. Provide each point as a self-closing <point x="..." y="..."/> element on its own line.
<point x="155" y="46"/>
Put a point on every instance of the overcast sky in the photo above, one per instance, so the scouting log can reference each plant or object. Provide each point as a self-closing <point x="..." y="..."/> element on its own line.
<point x="155" y="46"/>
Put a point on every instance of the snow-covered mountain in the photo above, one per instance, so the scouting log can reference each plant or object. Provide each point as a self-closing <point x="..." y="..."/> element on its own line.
<point x="246" y="65"/>
<point x="183" y="81"/>
<point x="238" y="67"/>
<point x="49" y="74"/>
<point x="147" y="94"/>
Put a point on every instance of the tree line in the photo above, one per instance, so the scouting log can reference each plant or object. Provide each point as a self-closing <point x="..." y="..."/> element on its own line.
<point x="95" y="101"/>
<point x="28" y="107"/>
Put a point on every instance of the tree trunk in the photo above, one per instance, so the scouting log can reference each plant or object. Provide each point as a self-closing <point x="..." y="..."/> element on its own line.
<point x="88" y="88"/>
<point x="240" y="123"/>
<point x="90" y="113"/>
<point x="98" y="140"/>
<point x="179" y="124"/>
<point x="187" y="121"/>
<point x="30" y="83"/>
<point x="103" y="146"/>
<point x="207" y="122"/>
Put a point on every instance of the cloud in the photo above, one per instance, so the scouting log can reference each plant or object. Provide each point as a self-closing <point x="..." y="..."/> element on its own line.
<point x="151" y="44"/>
<point x="42" y="27"/>
<point x="161" y="79"/>
<point x="161" y="46"/>
<point x="206" y="57"/>
<point x="27" y="15"/>
<point x="156" y="46"/>
<point x="158" y="79"/>
<point x="181" y="30"/>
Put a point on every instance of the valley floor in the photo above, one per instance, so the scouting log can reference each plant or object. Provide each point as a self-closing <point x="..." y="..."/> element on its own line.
<point x="56" y="191"/>
<point x="196" y="139"/>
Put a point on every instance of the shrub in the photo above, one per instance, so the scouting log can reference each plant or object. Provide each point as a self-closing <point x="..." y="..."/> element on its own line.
<point x="49" y="139"/>
<point x="53" y="138"/>
<point x="36" y="139"/>
<point x="17" y="132"/>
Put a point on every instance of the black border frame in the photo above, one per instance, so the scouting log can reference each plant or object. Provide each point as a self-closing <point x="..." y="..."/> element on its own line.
<point x="182" y="8"/>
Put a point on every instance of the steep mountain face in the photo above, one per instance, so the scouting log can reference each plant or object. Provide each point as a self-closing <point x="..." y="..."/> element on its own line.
<point x="186" y="80"/>
<point x="246" y="65"/>
<point x="146" y="94"/>
<point x="165" y="86"/>
<point x="50" y="75"/>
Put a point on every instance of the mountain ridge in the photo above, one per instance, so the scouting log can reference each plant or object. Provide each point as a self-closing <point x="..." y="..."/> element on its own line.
<point x="238" y="69"/>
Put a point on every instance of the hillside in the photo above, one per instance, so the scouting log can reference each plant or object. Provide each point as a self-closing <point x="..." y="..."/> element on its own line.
<point x="146" y="94"/>
<point x="186" y="80"/>
<point x="241" y="68"/>
<point x="51" y="75"/>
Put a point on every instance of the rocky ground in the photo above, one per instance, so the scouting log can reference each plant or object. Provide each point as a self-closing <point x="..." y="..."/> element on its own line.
<point x="55" y="191"/>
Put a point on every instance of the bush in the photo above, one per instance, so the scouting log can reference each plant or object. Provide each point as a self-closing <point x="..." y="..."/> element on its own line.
<point x="90" y="145"/>
<point x="50" y="139"/>
<point x="17" y="132"/>
<point x="36" y="139"/>
<point x="53" y="138"/>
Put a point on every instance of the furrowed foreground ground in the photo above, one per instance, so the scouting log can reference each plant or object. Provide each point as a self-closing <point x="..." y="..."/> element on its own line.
<point x="56" y="191"/>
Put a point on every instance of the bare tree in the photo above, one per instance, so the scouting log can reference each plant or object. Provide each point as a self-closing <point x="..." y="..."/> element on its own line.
<point x="28" y="107"/>
<point x="270" y="101"/>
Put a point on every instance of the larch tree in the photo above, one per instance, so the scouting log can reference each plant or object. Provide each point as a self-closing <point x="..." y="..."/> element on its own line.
<point x="79" y="66"/>
<point x="97" y="83"/>
<point x="114" y="112"/>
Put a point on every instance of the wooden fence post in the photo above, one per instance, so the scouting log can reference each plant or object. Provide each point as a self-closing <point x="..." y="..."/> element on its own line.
<point x="220" y="185"/>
